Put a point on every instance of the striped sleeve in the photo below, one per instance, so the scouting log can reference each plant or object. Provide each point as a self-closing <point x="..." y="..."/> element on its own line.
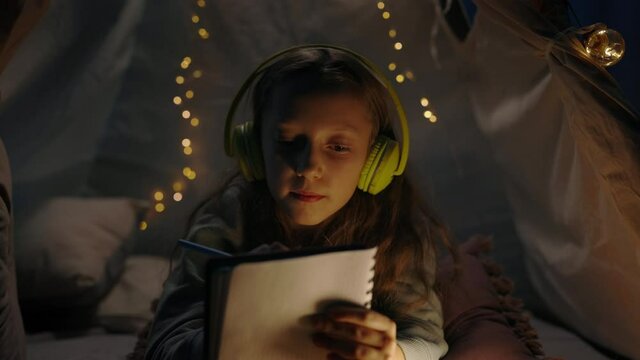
<point x="420" y="333"/>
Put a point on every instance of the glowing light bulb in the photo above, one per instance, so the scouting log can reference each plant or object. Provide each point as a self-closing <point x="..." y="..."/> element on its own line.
<point x="605" y="46"/>
<point x="393" y="33"/>
<point x="386" y="15"/>
<point x="433" y="119"/>
<point x="189" y="94"/>
<point x="188" y="150"/>
<point x="177" y="197"/>
<point x="186" y="142"/>
<point x="189" y="173"/>
<point x="392" y="66"/>
<point x="186" y="114"/>
<point x="177" y="100"/>
<point x="184" y="64"/>
<point x="187" y="60"/>
<point x="397" y="45"/>
<point x="195" y="19"/>
<point x="424" y="102"/>
<point x="177" y="186"/>
<point x="197" y="74"/>
<point x="143" y="225"/>
<point x="179" y="80"/>
<point x="380" y="5"/>
<point x="203" y="33"/>
<point x="195" y="122"/>
<point x="427" y="114"/>
<point x="202" y="3"/>
<point x="409" y="74"/>
<point x="400" y="78"/>
<point x="159" y="207"/>
<point x="158" y="195"/>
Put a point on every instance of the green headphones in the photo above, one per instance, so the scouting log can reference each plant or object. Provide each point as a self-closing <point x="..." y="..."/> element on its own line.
<point x="386" y="158"/>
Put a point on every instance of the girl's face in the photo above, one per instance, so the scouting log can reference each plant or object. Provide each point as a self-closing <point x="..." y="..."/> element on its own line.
<point x="314" y="149"/>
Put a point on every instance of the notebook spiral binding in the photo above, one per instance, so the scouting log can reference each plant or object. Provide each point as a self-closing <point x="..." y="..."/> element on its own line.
<point x="369" y="292"/>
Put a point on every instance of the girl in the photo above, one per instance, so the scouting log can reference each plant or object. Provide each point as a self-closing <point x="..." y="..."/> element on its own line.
<point x="317" y="112"/>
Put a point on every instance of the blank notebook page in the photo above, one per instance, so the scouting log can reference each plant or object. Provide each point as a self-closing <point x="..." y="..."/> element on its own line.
<point x="267" y="299"/>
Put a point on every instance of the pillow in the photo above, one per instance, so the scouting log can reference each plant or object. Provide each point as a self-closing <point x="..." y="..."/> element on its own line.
<point x="127" y="307"/>
<point x="71" y="250"/>
<point x="481" y="319"/>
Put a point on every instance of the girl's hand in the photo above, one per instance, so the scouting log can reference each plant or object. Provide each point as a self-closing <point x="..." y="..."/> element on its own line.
<point x="351" y="332"/>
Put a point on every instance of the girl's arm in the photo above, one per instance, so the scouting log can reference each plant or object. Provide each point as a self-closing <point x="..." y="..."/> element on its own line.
<point x="177" y="330"/>
<point x="178" y="326"/>
<point x="421" y="334"/>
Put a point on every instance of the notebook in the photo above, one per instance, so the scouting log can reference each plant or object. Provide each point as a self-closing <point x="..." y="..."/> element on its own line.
<point x="255" y="303"/>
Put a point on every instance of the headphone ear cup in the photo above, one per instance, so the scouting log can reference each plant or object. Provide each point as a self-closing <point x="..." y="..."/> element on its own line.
<point x="378" y="170"/>
<point x="372" y="161"/>
<point x="247" y="151"/>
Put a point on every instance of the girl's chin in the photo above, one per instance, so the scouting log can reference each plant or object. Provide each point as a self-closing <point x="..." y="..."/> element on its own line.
<point x="301" y="220"/>
<point x="303" y="223"/>
<point x="304" y="215"/>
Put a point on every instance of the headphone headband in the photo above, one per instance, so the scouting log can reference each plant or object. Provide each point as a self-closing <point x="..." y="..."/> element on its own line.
<point x="373" y="69"/>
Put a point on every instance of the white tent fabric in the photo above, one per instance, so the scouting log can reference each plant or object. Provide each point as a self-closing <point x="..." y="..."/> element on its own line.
<point x="58" y="92"/>
<point x="568" y="146"/>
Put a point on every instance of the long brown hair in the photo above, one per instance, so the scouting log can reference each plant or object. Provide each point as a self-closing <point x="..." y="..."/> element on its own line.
<point x="405" y="230"/>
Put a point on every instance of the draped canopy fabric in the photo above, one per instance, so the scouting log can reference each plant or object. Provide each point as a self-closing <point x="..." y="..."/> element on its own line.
<point x="568" y="144"/>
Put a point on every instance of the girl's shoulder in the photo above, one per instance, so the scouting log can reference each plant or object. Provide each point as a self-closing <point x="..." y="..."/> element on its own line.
<point x="225" y="205"/>
<point x="226" y="200"/>
<point x="218" y="221"/>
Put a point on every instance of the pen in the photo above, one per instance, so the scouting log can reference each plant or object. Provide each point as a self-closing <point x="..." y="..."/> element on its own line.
<point x="201" y="248"/>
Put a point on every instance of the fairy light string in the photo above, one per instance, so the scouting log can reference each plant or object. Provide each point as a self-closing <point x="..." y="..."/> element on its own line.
<point x="184" y="79"/>
<point x="401" y="76"/>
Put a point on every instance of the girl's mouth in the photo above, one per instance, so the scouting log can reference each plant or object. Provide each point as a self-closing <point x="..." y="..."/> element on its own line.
<point x="306" y="196"/>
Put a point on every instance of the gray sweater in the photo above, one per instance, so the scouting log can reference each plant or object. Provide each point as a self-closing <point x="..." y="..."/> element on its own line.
<point x="178" y="328"/>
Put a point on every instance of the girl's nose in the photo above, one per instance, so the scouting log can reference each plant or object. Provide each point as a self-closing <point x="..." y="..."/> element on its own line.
<point x="308" y="163"/>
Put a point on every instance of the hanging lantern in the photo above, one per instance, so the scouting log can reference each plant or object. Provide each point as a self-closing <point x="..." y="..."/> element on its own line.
<point x="605" y="46"/>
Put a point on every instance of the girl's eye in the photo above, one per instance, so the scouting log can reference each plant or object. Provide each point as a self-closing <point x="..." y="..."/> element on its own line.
<point x="339" y="148"/>
<point x="285" y="142"/>
<point x="289" y="144"/>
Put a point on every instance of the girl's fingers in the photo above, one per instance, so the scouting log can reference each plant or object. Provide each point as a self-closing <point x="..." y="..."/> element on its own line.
<point x="345" y="349"/>
<point x="355" y="333"/>
<point x="363" y="317"/>
<point x="352" y="332"/>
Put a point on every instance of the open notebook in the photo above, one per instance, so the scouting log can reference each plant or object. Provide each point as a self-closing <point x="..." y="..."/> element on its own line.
<point x="255" y="303"/>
